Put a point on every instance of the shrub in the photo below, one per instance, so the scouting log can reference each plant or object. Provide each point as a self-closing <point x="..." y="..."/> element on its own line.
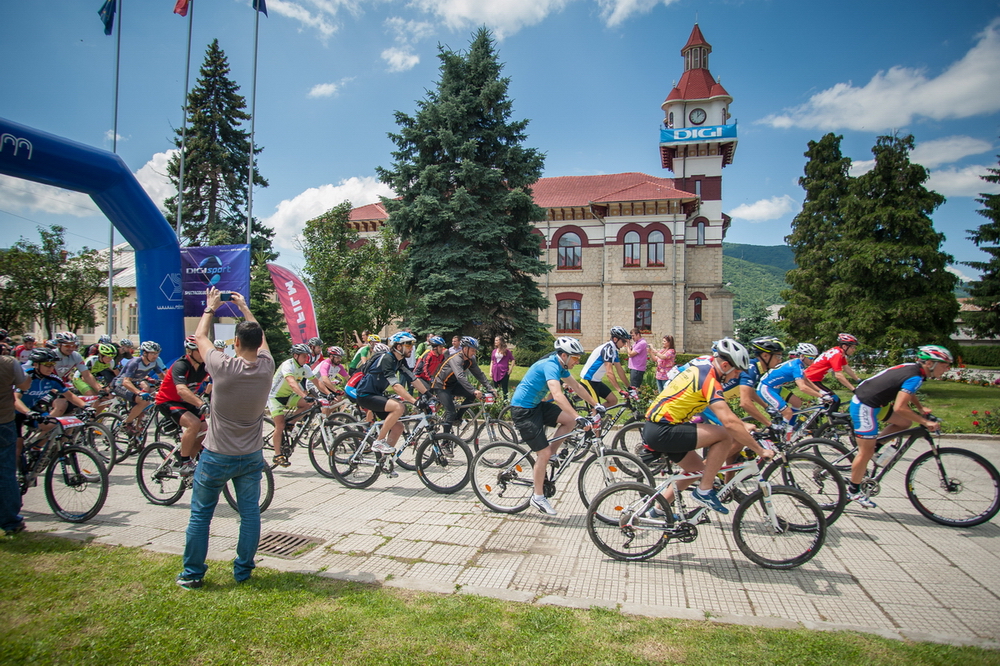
<point x="987" y="355"/>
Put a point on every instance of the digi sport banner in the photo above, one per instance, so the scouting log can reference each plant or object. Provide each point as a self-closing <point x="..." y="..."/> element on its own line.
<point x="225" y="267"/>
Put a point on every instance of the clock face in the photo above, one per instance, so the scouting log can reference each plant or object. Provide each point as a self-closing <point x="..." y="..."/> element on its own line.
<point x="697" y="116"/>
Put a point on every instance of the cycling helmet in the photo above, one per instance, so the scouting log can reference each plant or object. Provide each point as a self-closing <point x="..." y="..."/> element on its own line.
<point x="51" y="344"/>
<point x="768" y="345"/>
<point x="315" y="342"/>
<point x="438" y="341"/>
<point x="468" y="342"/>
<point x="104" y="340"/>
<point x="3" y="333"/>
<point x="335" y="351"/>
<point x="846" y="339"/>
<point x="66" y="338"/>
<point x="569" y="346"/>
<point x="150" y="346"/>
<point x="729" y="350"/>
<point x="107" y="350"/>
<point x="219" y="344"/>
<point x="43" y="356"/>
<point x="29" y="338"/>
<point x="379" y="348"/>
<point x="374" y="338"/>
<point x="301" y="349"/>
<point x="125" y="342"/>
<point x="934" y="353"/>
<point x="619" y="333"/>
<point x="190" y="343"/>
<point x="806" y="349"/>
<point x="401" y="338"/>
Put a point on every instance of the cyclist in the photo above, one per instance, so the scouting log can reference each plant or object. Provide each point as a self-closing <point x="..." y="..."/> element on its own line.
<point x="101" y="365"/>
<point x="130" y="384"/>
<point x="429" y="362"/>
<point x="363" y="353"/>
<point x="70" y="360"/>
<point x="315" y="351"/>
<point x="669" y="429"/>
<point x="769" y="351"/>
<point x="604" y="361"/>
<point x="287" y="391"/>
<point x="451" y="380"/>
<point x="331" y="371"/>
<point x="531" y="413"/>
<point x="45" y="391"/>
<point x="380" y="373"/>
<point x="770" y="386"/>
<point x="889" y="395"/>
<point x="835" y="359"/>
<point x="22" y="352"/>
<point x="177" y="400"/>
<point x="126" y="351"/>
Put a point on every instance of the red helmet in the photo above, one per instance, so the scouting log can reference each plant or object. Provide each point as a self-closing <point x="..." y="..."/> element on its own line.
<point x="846" y="339"/>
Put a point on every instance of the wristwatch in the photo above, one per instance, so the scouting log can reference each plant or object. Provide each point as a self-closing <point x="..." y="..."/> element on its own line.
<point x="209" y="311"/>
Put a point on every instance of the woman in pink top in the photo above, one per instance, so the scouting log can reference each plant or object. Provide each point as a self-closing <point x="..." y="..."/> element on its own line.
<point x="638" y="355"/>
<point x="501" y="361"/>
<point x="665" y="361"/>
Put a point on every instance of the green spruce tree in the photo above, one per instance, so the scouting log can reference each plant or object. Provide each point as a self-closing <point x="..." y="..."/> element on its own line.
<point x="464" y="177"/>
<point x="985" y="292"/>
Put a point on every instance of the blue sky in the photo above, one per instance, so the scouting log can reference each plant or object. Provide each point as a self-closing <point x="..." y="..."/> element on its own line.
<point x="589" y="74"/>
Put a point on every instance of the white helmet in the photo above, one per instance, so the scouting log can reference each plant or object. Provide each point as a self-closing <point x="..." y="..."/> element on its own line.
<point x="806" y="349"/>
<point x="569" y="346"/>
<point x="732" y="351"/>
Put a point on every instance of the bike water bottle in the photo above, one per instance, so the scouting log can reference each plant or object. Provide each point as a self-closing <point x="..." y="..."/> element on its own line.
<point x="885" y="455"/>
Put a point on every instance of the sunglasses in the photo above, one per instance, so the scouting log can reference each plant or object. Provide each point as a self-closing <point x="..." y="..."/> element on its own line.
<point x="46" y="365"/>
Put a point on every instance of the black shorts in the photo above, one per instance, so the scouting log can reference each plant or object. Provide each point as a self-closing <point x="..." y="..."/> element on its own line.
<point x="598" y="390"/>
<point x="376" y="403"/>
<point x="175" y="410"/>
<point x="531" y="421"/>
<point x="124" y="394"/>
<point x="674" y="440"/>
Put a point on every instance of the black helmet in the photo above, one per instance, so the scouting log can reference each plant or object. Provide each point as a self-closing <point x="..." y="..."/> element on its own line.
<point x="619" y="333"/>
<point x="43" y="355"/>
<point x="768" y="345"/>
<point x="314" y="342"/>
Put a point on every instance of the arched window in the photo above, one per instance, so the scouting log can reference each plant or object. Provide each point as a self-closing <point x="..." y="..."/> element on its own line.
<point x="644" y="314"/>
<point x="568" y="316"/>
<point x="654" y="253"/>
<point x="570" y="252"/>
<point x="632" y="251"/>
<point x="697" y="300"/>
<point x="697" y="309"/>
<point x="701" y="233"/>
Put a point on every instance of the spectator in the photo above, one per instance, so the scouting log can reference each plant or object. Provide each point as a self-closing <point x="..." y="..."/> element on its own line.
<point x="638" y="354"/>
<point x="11" y="374"/>
<point x="501" y="362"/>
<point x="666" y="361"/>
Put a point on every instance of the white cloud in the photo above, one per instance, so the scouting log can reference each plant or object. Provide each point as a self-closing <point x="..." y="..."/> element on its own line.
<point x="153" y="178"/>
<point x="961" y="276"/>
<point x="504" y="17"/>
<point x="962" y="181"/>
<point x="969" y="87"/>
<point x="614" y="12"/>
<point x="947" y="150"/>
<point x="324" y="90"/>
<point x="409" y="32"/>
<point x="110" y="135"/>
<point x="291" y="215"/>
<point x="28" y="196"/>
<point x="860" y="167"/>
<point x="765" y="209"/>
<point x="320" y="21"/>
<point x="400" y="60"/>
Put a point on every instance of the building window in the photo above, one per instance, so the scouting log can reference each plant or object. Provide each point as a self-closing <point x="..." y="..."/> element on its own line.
<point x="697" y="300"/>
<point x="654" y="253"/>
<point x="570" y="252"/>
<point x="632" y="249"/>
<point x="697" y="309"/>
<point x="670" y="119"/>
<point x="133" y="319"/>
<point x="644" y="314"/>
<point x="568" y="316"/>
<point x="701" y="233"/>
<point x="88" y="330"/>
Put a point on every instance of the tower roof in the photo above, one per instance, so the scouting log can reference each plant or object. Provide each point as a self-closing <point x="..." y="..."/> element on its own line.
<point x="696" y="39"/>
<point x="697" y="84"/>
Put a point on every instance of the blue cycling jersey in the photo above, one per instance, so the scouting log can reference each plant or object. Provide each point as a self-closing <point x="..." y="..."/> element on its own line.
<point x="41" y="387"/>
<point x="751" y="377"/>
<point x="533" y="388"/>
<point x="785" y="373"/>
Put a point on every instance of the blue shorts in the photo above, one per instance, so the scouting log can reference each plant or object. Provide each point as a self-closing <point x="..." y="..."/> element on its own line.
<point x="865" y="419"/>
<point x="773" y="397"/>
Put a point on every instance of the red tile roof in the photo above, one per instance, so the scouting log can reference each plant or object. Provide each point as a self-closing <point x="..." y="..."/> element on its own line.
<point x="373" y="211"/>
<point x="696" y="39"/>
<point x="697" y="84"/>
<point x="566" y="191"/>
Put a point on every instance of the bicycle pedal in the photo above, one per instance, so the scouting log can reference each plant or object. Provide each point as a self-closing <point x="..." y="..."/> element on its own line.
<point x="393" y="474"/>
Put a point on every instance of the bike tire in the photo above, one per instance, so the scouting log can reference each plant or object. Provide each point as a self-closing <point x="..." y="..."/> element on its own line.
<point x="502" y="477"/>
<point x="340" y="418"/>
<point x="815" y="477"/>
<point x="164" y="429"/>
<point x="606" y="469"/>
<point x="76" y="484"/>
<point x="443" y="463"/>
<point x="491" y="431"/>
<point x="836" y="453"/>
<point x="157" y="473"/>
<point x="611" y="523"/>
<point x="113" y="422"/>
<point x="629" y="438"/>
<point x="353" y="471"/>
<point x="266" y="490"/>
<point x="319" y="449"/>
<point x="95" y="436"/>
<point x="801" y="528"/>
<point x="971" y="495"/>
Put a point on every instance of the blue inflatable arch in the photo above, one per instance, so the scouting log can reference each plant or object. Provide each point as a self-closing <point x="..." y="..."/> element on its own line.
<point x="45" y="158"/>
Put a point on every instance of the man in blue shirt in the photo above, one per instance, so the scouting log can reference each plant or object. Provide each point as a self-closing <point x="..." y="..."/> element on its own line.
<point x="792" y="371"/>
<point x="530" y="414"/>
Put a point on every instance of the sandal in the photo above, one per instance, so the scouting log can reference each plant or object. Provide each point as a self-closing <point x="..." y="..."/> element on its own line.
<point x="281" y="460"/>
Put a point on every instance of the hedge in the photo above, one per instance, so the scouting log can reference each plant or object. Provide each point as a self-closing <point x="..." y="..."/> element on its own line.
<point x="987" y="355"/>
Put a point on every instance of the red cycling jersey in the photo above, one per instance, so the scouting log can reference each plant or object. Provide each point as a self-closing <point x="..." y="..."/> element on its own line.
<point x="832" y="359"/>
<point x="181" y="372"/>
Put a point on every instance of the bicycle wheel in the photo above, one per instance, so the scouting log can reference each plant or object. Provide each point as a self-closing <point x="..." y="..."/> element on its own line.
<point x="815" y="477"/>
<point x="468" y="424"/>
<point x="113" y="424"/>
<point x="603" y="470"/>
<point x="97" y="437"/>
<point x="408" y="458"/>
<point x="790" y="539"/>
<point x="156" y="470"/>
<point x="319" y="449"/>
<point x="492" y="430"/>
<point x="443" y="463"/>
<point x="350" y="466"/>
<point x="837" y="454"/>
<point x="266" y="490"/>
<point x="164" y="429"/>
<point x="76" y="484"/>
<point x="502" y="477"/>
<point x="629" y="438"/>
<point x="618" y="531"/>
<point x="956" y="487"/>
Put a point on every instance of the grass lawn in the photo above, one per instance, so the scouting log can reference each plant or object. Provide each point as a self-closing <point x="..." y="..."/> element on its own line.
<point x="72" y="603"/>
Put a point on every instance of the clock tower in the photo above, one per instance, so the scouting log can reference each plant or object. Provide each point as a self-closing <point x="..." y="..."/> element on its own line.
<point x="697" y="141"/>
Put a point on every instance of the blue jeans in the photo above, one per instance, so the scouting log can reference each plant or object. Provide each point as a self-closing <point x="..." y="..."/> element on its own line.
<point x="10" y="492"/>
<point x="212" y="473"/>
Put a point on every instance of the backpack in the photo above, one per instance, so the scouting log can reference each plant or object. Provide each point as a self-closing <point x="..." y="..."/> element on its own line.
<point x="351" y="388"/>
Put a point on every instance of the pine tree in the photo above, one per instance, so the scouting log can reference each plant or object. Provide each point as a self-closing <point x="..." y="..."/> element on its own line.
<point x="464" y="183"/>
<point x="985" y="292"/>
<point x="887" y="280"/>
<point x="826" y="184"/>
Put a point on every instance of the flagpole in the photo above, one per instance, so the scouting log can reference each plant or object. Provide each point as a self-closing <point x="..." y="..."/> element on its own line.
<point x="114" y="149"/>
<point x="253" y="118"/>
<point x="187" y="74"/>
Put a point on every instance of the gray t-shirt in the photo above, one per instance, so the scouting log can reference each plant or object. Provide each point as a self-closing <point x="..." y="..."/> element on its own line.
<point x="11" y="373"/>
<point x="239" y="395"/>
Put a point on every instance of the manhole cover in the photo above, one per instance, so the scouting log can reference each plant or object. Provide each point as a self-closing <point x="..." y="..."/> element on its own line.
<point x="288" y="546"/>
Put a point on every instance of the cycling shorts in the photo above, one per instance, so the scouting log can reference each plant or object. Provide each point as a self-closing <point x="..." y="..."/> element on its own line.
<point x="674" y="440"/>
<point x="375" y="403"/>
<point x="865" y="419"/>
<point x="775" y="398"/>
<point x="281" y="405"/>
<point x="531" y="421"/>
<point x="598" y="390"/>
<point x="175" y="410"/>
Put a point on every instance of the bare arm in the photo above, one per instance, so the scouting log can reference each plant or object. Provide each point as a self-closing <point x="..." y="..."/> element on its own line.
<point x="843" y="380"/>
<point x="737" y="430"/>
<point x="212" y="301"/>
<point x="808" y="387"/>
<point x="188" y="396"/>
<point x="748" y="401"/>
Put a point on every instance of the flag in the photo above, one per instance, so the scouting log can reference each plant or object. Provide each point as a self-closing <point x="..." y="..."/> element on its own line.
<point x="296" y="303"/>
<point x="107" y="14"/>
<point x="260" y="6"/>
<point x="181" y="7"/>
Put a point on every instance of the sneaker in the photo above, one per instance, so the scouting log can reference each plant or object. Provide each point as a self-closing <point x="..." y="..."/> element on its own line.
<point x="189" y="583"/>
<point x="708" y="498"/>
<point x="542" y="504"/>
<point x="187" y="469"/>
<point x="861" y="499"/>
<point x="20" y="527"/>
<point x="382" y="446"/>
<point x="656" y="514"/>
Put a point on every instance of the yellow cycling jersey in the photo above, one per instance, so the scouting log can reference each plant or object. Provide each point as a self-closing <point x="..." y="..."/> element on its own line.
<point x="689" y="393"/>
